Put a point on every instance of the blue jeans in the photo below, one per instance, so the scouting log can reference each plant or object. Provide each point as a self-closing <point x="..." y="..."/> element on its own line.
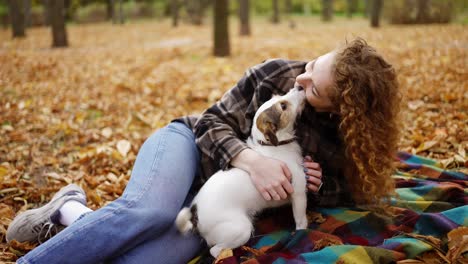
<point x="139" y="226"/>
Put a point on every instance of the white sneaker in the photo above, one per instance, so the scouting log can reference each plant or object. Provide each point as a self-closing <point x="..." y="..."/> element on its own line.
<point x="40" y="224"/>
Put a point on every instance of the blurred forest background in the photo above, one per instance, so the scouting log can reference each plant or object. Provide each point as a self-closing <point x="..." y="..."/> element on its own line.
<point x="83" y="83"/>
<point x="21" y="14"/>
<point x="36" y="13"/>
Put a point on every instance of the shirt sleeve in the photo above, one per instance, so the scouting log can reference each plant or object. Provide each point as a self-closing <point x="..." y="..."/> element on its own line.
<point x="221" y="131"/>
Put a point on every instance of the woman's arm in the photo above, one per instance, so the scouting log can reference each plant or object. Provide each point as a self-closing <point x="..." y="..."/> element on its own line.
<point x="222" y="129"/>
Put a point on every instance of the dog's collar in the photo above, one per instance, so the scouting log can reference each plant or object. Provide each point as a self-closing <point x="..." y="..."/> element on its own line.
<point x="282" y="142"/>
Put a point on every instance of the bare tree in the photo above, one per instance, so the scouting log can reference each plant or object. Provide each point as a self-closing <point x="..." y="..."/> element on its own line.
<point x="367" y="8"/>
<point x="17" y="18"/>
<point x="423" y="9"/>
<point x="244" y="14"/>
<point x="59" y="31"/>
<point x="376" y="8"/>
<point x="27" y="12"/>
<point x="351" y="8"/>
<point x="47" y="17"/>
<point x="119" y="17"/>
<point x="196" y="9"/>
<point x="288" y="9"/>
<point x="288" y="6"/>
<point x="275" y="18"/>
<point x="327" y="10"/>
<point x="175" y="12"/>
<point x="110" y="9"/>
<point x="420" y="12"/>
<point x="221" y="28"/>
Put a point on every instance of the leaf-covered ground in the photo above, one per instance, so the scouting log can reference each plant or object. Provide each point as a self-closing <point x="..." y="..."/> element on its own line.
<point x="80" y="114"/>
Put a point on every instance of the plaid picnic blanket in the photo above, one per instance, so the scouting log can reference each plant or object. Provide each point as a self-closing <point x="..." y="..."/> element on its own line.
<point x="431" y="202"/>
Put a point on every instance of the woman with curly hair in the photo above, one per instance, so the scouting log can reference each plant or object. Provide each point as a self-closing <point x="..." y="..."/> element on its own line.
<point x="366" y="96"/>
<point x="347" y="130"/>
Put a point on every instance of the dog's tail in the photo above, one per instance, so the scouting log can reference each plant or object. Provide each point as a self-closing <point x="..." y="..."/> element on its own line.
<point x="187" y="219"/>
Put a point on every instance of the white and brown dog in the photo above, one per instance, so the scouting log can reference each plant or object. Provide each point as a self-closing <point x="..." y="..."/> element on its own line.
<point x="223" y="210"/>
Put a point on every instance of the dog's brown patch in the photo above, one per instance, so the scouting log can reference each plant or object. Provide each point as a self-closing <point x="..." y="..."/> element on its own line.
<point x="194" y="218"/>
<point x="273" y="119"/>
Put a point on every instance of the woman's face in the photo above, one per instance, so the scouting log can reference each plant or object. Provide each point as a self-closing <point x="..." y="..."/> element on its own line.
<point x="317" y="82"/>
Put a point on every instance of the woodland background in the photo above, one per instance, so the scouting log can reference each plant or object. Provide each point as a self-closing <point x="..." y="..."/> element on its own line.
<point x="84" y="83"/>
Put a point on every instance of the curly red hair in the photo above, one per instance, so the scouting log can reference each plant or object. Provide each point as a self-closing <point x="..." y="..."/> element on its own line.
<point x="367" y="97"/>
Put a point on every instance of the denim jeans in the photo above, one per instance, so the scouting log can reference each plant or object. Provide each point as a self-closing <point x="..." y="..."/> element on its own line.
<point x="139" y="226"/>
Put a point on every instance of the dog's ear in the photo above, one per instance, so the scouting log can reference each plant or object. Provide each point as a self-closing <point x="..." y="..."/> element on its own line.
<point x="268" y="122"/>
<point x="270" y="134"/>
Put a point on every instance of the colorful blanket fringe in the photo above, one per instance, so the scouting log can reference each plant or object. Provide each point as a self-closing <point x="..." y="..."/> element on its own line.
<point x="431" y="203"/>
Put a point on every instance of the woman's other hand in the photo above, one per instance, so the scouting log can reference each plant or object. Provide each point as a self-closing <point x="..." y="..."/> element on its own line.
<point x="313" y="173"/>
<point x="271" y="177"/>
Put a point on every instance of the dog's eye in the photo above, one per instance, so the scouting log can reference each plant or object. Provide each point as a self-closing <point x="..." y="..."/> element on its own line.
<point x="284" y="106"/>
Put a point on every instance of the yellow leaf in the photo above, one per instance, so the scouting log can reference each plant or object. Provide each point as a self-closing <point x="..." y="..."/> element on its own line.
<point x="457" y="245"/>
<point x="106" y="132"/>
<point x="3" y="170"/>
<point x="225" y="253"/>
<point x="461" y="151"/>
<point x="410" y="261"/>
<point x="426" y="145"/>
<point x="413" y="105"/>
<point x="123" y="146"/>
<point x="111" y="177"/>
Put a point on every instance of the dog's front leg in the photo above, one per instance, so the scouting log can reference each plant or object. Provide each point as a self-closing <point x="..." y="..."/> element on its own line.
<point x="299" y="206"/>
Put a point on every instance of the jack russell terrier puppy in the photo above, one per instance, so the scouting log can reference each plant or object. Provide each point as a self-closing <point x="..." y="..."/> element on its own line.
<point x="223" y="210"/>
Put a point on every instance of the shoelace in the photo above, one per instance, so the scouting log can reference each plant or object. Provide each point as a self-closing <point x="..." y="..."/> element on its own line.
<point x="50" y="229"/>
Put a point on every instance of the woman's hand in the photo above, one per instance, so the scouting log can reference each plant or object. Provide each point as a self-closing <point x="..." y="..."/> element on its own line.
<point x="313" y="174"/>
<point x="271" y="177"/>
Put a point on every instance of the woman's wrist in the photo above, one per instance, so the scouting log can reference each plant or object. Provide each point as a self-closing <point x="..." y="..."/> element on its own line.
<point x="246" y="159"/>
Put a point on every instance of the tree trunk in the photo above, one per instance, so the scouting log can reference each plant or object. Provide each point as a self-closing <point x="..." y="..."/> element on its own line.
<point x="118" y="17"/>
<point x="422" y="15"/>
<point x="110" y="9"/>
<point x="17" y="18"/>
<point x="68" y="12"/>
<point x="221" y="30"/>
<point x="244" y="13"/>
<point x="376" y="8"/>
<point x="47" y="18"/>
<point x="195" y="11"/>
<point x="327" y="10"/>
<point x="27" y="12"/>
<point x="175" y="12"/>
<point x="121" y="13"/>
<point x="275" y="18"/>
<point x="288" y="6"/>
<point x="288" y="9"/>
<point x="59" y="31"/>
<point x="351" y="8"/>
<point x="367" y="4"/>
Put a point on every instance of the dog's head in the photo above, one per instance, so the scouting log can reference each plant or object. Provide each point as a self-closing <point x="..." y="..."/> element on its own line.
<point x="274" y="120"/>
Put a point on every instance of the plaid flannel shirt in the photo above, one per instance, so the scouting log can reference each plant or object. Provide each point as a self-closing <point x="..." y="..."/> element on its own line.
<point x="221" y="131"/>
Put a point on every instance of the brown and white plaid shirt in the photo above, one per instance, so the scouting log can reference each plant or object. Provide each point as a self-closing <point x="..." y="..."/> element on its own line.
<point x="222" y="130"/>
